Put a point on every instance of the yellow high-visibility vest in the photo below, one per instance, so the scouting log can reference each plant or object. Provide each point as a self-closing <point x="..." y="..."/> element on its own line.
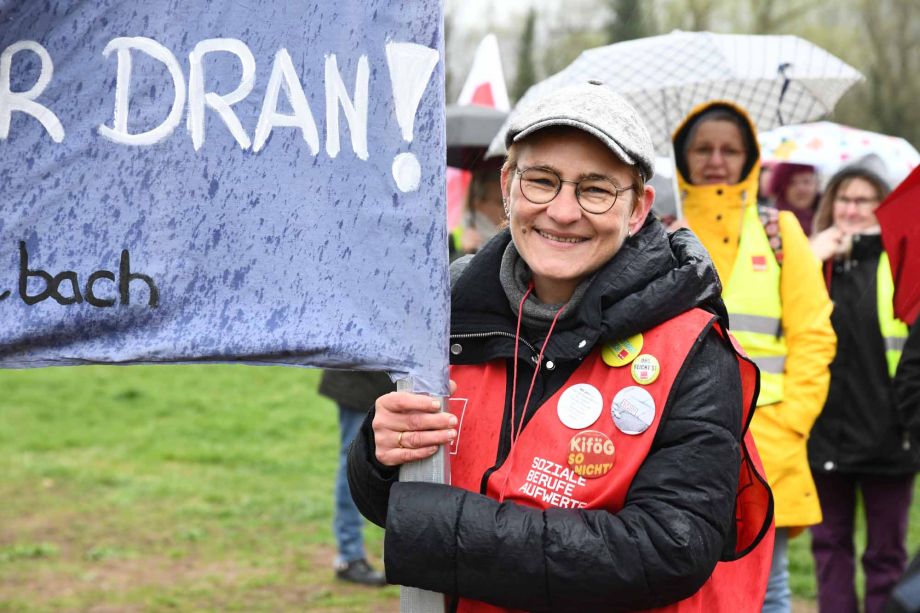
<point x="752" y="296"/>
<point x="894" y="331"/>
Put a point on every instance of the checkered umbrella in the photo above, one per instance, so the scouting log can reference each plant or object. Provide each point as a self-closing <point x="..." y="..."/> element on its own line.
<point x="778" y="79"/>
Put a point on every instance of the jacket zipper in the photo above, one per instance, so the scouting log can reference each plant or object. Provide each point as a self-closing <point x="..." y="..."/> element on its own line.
<point x="498" y="461"/>
<point x="496" y="333"/>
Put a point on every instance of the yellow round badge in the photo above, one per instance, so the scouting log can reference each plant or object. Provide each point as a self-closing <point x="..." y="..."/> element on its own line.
<point x="622" y="352"/>
<point x="591" y="454"/>
<point x="645" y="369"/>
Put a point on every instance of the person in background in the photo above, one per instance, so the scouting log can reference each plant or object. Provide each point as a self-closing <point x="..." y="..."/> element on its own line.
<point x="795" y="189"/>
<point x="484" y="215"/>
<point x="867" y="439"/>
<point x="354" y="393"/>
<point x="779" y="310"/>
<point x="597" y="427"/>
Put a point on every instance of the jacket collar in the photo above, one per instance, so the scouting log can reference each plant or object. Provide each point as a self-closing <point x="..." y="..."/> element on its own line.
<point x="652" y="278"/>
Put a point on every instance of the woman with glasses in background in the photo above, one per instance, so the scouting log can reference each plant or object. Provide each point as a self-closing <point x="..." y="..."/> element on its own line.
<point x="778" y="308"/>
<point x="866" y="439"/>
<point x="596" y="429"/>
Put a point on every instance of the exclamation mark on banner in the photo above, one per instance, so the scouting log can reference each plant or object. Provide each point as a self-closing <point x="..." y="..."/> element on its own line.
<point x="410" y="66"/>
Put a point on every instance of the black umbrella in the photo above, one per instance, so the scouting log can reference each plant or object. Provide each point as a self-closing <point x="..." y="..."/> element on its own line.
<point x="470" y="129"/>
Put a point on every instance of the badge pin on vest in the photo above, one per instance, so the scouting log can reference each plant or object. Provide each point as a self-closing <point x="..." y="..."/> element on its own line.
<point x="633" y="410"/>
<point x="591" y="454"/>
<point x="622" y="352"/>
<point x="645" y="369"/>
<point x="580" y="406"/>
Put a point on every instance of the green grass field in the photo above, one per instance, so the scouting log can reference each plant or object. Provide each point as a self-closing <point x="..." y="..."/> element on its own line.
<point x="192" y="488"/>
<point x="182" y="488"/>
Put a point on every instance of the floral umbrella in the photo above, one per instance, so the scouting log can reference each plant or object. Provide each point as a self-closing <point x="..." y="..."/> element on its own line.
<point x="830" y="146"/>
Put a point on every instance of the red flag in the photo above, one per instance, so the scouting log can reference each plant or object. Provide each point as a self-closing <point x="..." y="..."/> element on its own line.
<point x="483" y="95"/>
<point x="484" y="86"/>
<point x="899" y="216"/>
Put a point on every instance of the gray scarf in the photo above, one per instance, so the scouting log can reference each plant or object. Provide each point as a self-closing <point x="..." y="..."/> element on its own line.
<point x="515" y="278"/>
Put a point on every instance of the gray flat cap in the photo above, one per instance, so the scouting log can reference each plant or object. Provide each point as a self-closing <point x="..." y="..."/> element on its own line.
<point x="597" y="110"/>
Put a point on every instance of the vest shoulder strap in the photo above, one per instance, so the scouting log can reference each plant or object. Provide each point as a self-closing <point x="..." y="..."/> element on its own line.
<point x="753" y="499"/>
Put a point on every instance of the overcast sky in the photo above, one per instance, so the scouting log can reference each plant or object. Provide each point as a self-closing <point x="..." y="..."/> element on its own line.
<point x="472" y="13"/>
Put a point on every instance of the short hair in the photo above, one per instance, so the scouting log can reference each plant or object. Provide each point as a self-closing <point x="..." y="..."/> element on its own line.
<point x="782" y="176"/>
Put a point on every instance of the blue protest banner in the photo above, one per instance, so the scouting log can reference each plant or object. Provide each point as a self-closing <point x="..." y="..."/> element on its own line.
<point x="224" y="180"/>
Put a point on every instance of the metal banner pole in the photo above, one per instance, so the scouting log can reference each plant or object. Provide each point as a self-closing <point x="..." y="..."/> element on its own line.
<point x="678" y="196"/>
<point x="431" y="470"/>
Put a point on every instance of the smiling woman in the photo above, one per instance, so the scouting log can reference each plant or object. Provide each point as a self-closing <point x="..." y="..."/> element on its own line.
<point x="556" y="229"/>
<point x="594" y="465"/>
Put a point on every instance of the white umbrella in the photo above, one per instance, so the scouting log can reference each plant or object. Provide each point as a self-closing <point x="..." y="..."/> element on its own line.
<point x="777" y="79"/>
<point x="830" y="146"/>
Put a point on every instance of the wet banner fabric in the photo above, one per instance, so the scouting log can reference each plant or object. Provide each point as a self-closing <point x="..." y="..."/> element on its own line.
<point x="254" y="181"/>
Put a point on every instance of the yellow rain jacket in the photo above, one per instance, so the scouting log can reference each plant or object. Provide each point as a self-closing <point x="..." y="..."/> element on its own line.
<point x="798" y="353"/>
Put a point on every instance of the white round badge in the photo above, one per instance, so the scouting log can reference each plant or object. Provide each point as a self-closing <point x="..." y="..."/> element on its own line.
<point x="580" y="406"/>
<point x="633" y="410"/>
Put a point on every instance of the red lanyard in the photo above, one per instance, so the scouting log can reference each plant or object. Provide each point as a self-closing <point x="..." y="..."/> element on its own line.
<point x="520" y="421"/>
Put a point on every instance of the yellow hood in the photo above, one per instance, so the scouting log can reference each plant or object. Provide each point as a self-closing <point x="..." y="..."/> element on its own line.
<point x="714" y="212"/>
<point x="746" y="189"/>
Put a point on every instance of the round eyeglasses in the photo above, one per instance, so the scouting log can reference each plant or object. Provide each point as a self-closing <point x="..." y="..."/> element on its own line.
<point x="860" y="202"/>
<point x="595" y="195"/>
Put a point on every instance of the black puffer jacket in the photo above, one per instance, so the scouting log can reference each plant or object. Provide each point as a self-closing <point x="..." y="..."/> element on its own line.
<point x="869" y="424"/>
<point x="664" y="543"/>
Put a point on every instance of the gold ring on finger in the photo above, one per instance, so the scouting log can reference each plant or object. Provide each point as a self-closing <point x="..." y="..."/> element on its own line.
<point x="399" y="441"/>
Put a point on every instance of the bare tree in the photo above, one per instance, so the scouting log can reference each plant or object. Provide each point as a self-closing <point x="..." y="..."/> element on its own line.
<point x="694" y="15"/>
<point x="526" y="71"/>
<point x="775" y="16"/>
<point x="887" y="102"/>
<point x="627" y="21"/>
<point x="881" y="38"/>
<point x="571" y="28"/>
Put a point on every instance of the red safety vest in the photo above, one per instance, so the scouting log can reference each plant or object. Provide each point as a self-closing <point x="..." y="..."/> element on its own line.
<point x="592" y="467"/>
